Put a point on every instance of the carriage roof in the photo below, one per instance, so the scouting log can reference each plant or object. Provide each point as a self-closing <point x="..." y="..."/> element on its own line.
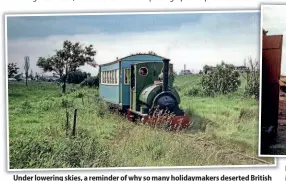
<point x="137" y="57"/>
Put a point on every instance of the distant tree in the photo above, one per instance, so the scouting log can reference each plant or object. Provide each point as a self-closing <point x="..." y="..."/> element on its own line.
<point x="42" y="78"/>
<point x="31" y="75"/>
<point x="37" y="76"/>
<point x="201" y="72"/>
<point x="67" y="59"/>
<point x="76" y="77"/>
<point x="252" y="78"/>
<point x="26" y="68"/>
<point x="206" y="68"/>
<point x="18" y="77"/>
<point x="12" y="69"/>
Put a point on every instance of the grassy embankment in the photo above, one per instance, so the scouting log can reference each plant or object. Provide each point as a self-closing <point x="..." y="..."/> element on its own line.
<point x="225" y="131"/>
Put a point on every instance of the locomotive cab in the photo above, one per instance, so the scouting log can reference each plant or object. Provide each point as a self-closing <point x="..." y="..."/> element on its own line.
<point x="146" y="81"/>
<point x="152" y="91"/>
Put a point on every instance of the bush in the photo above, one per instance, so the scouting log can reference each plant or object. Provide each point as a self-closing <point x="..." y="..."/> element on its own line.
<point x="223" y="79"/>
<point x="90" y="82"/>
<point x="252" y="79"/>
<point x="195" y="91"/>
<point x="76" y="77"/>
<point x="252" y="88"/>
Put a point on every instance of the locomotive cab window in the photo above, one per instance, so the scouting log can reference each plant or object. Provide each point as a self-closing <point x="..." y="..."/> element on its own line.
<point x="127" y="76"/>
<point x="143" y="71"/>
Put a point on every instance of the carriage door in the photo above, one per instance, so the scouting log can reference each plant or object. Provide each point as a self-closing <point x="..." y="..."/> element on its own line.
<point x="271" y="64"/>
<point x="132" y="88"/>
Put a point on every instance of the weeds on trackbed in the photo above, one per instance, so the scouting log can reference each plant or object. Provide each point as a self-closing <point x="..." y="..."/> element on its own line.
<point x="224" y="130"/>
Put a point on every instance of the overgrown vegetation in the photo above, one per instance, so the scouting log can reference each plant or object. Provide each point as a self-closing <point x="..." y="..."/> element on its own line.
<point x="222" y="79"/>
<point x="90" y="82"/>
<point x="225" y="79"/>
<point x="224" y="130"/>
<point x="252" y="78"/>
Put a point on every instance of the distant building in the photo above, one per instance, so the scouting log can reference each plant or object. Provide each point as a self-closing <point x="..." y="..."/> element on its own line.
<point x="185" y="72"/>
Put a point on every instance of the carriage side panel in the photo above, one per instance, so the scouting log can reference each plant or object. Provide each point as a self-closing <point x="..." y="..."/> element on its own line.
<point x="109" y="87"/>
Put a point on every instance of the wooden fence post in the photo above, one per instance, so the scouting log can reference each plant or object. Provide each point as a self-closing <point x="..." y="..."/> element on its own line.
<point x="67" y="123"/>
<point x="74" y="122"/>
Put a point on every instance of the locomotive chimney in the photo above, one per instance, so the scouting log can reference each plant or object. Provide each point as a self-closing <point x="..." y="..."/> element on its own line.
<point x="165" y="74"/>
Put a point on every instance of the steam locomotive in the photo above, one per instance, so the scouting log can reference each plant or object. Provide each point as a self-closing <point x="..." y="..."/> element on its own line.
<point x="141" y="85"/>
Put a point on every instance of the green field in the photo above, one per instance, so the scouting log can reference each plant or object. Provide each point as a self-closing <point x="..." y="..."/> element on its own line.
<point x="225" y="131"/>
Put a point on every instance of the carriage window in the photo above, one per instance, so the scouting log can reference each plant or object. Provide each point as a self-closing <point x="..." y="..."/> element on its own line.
<point x="115" y="76"/>
<point x="110" y="77"/>
<point x="103" y="77"/>
<point x="107" y="77"/>
<point x="101" y="74"/>
<point x="143" y="71"/>
<point x="126" y="76"/>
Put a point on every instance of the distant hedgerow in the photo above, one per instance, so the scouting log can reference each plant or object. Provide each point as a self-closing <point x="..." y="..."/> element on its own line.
<point x="90" y="82"/>
<point x="222" y="80"/>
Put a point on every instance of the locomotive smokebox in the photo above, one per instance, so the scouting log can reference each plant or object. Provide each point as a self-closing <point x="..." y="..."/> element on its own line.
<point x="165" y="74"/>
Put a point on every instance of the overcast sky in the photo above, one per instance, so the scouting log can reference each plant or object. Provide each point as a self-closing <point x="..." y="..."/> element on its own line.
<point x="274" y="21"/>
<point x="194" y="39"/>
